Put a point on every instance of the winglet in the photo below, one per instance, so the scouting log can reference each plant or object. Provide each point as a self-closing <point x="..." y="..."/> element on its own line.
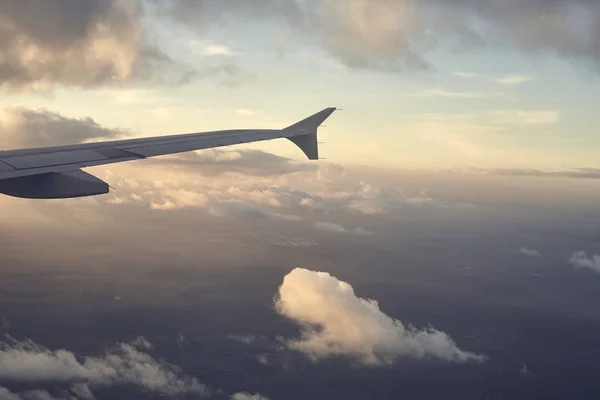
<point x="305" y="132"/>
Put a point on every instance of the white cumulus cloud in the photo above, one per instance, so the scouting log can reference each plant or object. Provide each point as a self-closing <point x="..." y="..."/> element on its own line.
<point x="6" y="394"/>
<point x="248" y="396"/>
<point x="526" y="251"/>
<point x="580" y="259"/>
<point x="336" y="322"/>
<point x="126" y="364"/>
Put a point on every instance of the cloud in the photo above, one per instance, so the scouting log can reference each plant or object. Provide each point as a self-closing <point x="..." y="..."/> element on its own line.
<point x="526" y="117"/>
<point x="233" y="208"/>
<point x="107" y="42"/>
<point x="141" y="343"/>
<point x="215" y="162"/>
<point x="373" y="34"/>
<point x="244" y="112"/>
<point x="212" y="49"/>
<point x="525" y="371"/>
<point x="21" y="127"/>
<point x="370" y="200"/>
<point x="227" y="75"/>
<point x="263" y="359"/>
<point x="125" y="364"/>
<point x="398" y="35"/>
<point x="274" y="189"/>
<point x="581" y="173"/>
<point x="467" y="75"/>
<point x="513" y="80"/>
<point x="248" y="396"/>
<point x="451" y="94"/>
<point x="580" y="259"/>
<point x="237" y="209"/>
<point x="335" y="322"/>
<point x="82" y="391"/>
<point x="6" y="394"/>
<point x="285" y="241"/>
<point x="360" y="33"/>
<point x="246" y="339"/>
<point x="180" y="198"/>
<point x="529" y="252"/>
<point x="132" y="96"/>
<point x="335" y="228"/>
<point x="75" y="43"/>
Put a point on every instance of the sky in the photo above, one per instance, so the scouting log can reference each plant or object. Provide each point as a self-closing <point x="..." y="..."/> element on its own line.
<point x="446" y="245"/>
<point x="422" y="84"/>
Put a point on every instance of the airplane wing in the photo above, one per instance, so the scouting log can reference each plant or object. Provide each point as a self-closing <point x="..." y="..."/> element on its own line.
<point x="55" y="172"/>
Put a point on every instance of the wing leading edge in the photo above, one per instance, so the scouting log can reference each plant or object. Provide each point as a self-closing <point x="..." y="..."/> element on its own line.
<point x="55" y="172"/>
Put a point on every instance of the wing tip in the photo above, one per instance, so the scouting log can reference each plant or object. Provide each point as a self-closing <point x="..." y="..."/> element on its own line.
<point x="305" y="132"/>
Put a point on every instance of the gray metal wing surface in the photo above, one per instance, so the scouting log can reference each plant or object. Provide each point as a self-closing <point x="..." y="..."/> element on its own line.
<point x="55" y="172"/>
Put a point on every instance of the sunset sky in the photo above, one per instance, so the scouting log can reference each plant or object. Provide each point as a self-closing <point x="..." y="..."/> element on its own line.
<point x="423" y="84"/>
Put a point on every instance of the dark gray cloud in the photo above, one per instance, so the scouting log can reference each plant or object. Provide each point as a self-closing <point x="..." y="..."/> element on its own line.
<point x="564" y="26"/>
<point x="67" y="41"/>
<point x="21" y="128"/>
<point x="78" y="43"/>
<point x="61" y="23"/>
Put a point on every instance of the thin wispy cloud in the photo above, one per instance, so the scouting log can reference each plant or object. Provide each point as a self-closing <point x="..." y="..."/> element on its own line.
<point x="246" y="112"/>
<point x="248" y="396"/>
<point x="576" y="173"/>
<point x="526" y="117"/>
<point x="468" y="75"/>
<point x="336" y="228"/>
<point x="445" y="93"/>
<point x="133" y="96"/>
<point x="212" y="49"/>
<point x="513" y="80"/>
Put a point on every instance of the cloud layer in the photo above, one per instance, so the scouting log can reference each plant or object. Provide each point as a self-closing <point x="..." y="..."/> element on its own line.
<point x="336" y="322"/>
<point x="98" y="42"/>
<point x="399" y="34"/>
